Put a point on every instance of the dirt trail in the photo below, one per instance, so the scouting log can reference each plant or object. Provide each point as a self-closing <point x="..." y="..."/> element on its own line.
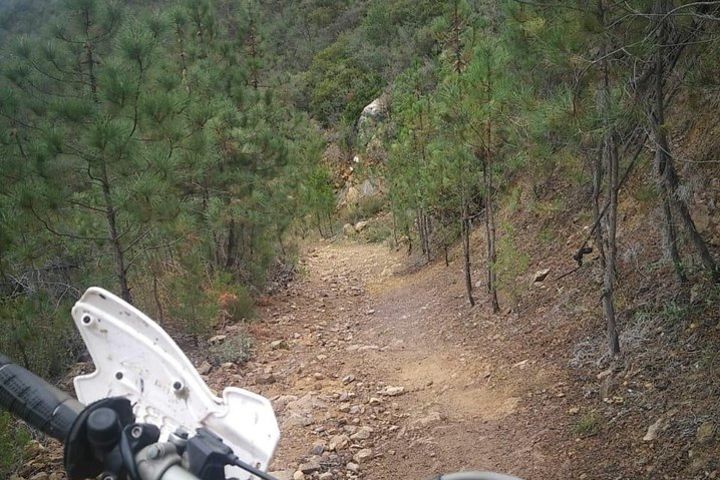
<point x="331" y="350"/>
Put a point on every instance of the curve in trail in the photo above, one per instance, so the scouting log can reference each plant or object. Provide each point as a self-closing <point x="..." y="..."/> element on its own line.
<point x="377" y="373"/>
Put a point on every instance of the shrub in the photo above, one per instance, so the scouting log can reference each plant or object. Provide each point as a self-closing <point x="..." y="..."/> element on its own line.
<point x="236" y="349"/>
<point x="587" y="425"/>
<point x="38" y="334"/>
<point x="377" y="232"/>
<point x="511" y="263"/>
<point x="14" y="436"/>
<point x="192" y="308"/>
<point x="367" y="207"/>
<point x="197" y="307"/>
<point x="234" y="301"/>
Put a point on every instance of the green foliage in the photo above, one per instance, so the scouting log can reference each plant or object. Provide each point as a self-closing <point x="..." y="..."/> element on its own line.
<point x="377" y="232"/>
<point x="511" y="264"/>
<point x="514" y="200"/>
<point x="341" y="83"/>
<point x="547" y="236"/>
<point x="351" y="65"/>
<point x="193" y="308"/>
<point x="316" y="199"/>
<point x="234" y="299"/>
<point x="646" y="193"/>
<point x="366" y="207"/>
<point x="38" y="335"/>
<point x="14" y="436"/>
<point x="148" y="151"/>
<point x="588" y="425"/>
<point x="237" y="349"/>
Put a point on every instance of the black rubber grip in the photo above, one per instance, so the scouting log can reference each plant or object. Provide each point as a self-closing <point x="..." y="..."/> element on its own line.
<point x="34" y="400"/>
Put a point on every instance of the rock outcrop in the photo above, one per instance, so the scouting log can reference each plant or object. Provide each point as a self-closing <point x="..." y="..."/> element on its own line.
<point x="372" y="116"/>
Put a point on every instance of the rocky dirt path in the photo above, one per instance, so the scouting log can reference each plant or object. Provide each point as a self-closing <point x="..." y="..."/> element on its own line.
<point x="378" y="372"/>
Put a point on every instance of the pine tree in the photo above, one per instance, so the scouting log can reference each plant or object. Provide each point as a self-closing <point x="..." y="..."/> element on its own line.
<point x="457" y="117"/>
<point x="669" y="43"/>
<point x="94" y="121"/>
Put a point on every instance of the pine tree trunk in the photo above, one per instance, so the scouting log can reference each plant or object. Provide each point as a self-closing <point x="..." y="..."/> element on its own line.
<point x="610" y="162"/>
<point x="394" y="230"/>
<point x="490" y="239"/>
<point x="111" y="217"/>
<point x="493" y="258"/>
<point x="700" y="246"/>
<point x="489" y="207"/>
<point x="423" y="232"/>
<point x="253" y="238"/>
<point x="661" y="158"/>
<point x="670" y="240"/>
<point x="427" y="225"/>
<point x="665" y="167"/>
<point x="465" y="227"/>
<point x="597" y="187"/>
<point x="611" y="245"/>
<point x="156" y="297"/>
<point x="110" y="211"/>
<point x="231" y="245"/>
<point x="420" y="230"/>
<point x="319" y="224"/>
<point x="330" y="225"/>
<point x="490" y="232"/>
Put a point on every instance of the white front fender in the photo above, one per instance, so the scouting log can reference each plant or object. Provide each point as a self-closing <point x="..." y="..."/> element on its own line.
<point x="136" y="359"/>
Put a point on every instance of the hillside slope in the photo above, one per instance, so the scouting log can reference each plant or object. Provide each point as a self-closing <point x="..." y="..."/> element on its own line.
<point x="528" y="391"/>
<point x="378" y="368"/>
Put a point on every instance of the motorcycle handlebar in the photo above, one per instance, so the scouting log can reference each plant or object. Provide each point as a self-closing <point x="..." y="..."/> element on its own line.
<point x="29" y="397"/>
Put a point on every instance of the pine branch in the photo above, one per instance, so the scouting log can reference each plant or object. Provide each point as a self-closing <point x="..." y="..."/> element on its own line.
<point x="62" y="234"/>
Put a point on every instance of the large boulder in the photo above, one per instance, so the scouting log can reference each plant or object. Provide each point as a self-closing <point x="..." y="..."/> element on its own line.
<point x="370" y="120"/>
<point x="368" y="188"/>
<point x="356" y="194"/>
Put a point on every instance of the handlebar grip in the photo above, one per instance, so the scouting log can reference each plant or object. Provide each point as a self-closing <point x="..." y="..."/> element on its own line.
<point x="34" y="400"/>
